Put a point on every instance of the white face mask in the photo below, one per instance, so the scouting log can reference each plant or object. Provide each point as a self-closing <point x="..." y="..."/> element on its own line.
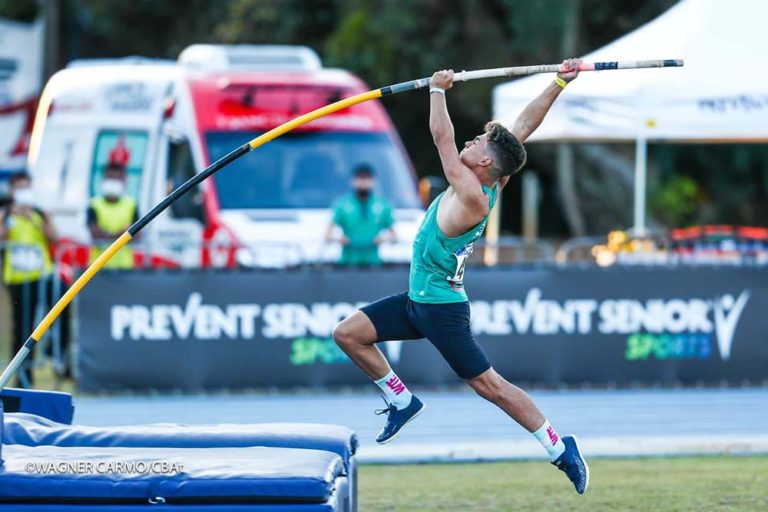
<point x="24" y="197"/>
<point x="111" y="187"/>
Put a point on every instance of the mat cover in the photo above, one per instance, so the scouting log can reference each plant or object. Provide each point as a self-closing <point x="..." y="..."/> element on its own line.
<point x="218" y="475"/>
<point x="32" y="430"/>
<point x="54" y="405"/>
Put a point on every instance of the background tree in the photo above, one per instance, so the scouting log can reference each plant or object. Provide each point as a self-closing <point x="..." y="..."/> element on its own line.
<point x="387" y="42"/>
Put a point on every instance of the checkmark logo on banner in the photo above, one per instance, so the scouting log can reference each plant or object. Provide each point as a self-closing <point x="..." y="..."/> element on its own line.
<point x="727" y="314"/>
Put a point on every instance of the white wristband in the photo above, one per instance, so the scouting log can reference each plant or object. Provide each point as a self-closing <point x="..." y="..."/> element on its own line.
<point x="437" y="89"/>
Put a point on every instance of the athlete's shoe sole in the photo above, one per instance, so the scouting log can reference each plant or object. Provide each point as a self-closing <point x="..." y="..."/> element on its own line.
<point x="416" y="415"/>
<point x="586" y="466"/>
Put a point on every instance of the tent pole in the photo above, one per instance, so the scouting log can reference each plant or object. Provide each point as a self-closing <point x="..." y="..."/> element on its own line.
<point x="641" y="169"/>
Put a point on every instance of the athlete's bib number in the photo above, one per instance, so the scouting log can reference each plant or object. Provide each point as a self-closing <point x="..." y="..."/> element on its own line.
<point x="26" y="258"/>
<point x="457" y="281"/>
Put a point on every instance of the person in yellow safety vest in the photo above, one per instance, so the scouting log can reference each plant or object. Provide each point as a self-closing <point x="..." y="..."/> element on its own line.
<point x="110" y="214"/>
<point x="26" y="231"/>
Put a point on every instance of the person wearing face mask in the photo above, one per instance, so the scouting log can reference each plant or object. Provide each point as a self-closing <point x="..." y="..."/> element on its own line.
<point x="364" y="219"/>
<point x="110" y="214"/>
<point x="27" y="233"/>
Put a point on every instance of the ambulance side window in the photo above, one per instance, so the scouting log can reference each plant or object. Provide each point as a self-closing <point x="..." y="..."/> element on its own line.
<point x="181" y="167"/>
<point x="123" y="147"/>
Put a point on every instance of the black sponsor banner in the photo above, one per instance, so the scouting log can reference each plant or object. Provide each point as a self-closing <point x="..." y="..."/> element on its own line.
<point x="200" y="330"/>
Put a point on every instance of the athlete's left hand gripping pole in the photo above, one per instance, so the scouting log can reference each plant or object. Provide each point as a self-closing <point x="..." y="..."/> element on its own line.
<point x="126" y="237"/>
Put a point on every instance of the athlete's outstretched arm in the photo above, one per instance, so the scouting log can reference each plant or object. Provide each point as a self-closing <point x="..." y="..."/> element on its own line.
<point x="465" y="184"/>
<point x="533" y="114"/>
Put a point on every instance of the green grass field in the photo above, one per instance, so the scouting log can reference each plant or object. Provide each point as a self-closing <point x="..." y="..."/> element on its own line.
<point x="657" y="484"/>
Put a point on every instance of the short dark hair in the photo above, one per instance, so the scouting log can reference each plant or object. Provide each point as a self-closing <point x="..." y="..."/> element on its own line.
<point x="508" y="153"/>
<point x="363" y="171"/>
<point x="19" y="176"/>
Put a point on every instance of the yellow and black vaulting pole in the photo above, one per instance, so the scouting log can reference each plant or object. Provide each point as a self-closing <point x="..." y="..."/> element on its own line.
<point x="420" y="83"/>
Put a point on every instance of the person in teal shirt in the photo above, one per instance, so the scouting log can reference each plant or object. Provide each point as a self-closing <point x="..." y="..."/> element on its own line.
<point x="364" y="219"/>
<point x="436" y="306"/>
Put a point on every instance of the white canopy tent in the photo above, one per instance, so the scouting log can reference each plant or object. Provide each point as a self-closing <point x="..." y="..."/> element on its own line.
<point x="721" y="95"/>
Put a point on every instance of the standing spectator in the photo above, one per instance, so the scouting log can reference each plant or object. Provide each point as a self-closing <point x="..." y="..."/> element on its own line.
<point x="365" y="221"/>
<point x="110" y="214"/>
<point x="27" y="232"/>
<point x="5" y="192"/>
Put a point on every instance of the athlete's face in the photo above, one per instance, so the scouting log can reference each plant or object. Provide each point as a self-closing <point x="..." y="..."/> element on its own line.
<point x="475" y="151"/>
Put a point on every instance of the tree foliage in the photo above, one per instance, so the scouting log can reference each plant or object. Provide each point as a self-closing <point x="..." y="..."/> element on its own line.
<point x="386" y="42"/>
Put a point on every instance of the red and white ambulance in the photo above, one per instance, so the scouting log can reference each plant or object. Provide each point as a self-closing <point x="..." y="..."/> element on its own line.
<point x="168" y="120"/>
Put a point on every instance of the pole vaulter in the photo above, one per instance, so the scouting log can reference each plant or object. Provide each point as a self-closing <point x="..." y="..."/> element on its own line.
<point x="420" y="83"/>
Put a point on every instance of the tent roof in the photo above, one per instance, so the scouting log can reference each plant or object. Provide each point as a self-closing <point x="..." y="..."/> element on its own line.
<point x="720" y="94"/>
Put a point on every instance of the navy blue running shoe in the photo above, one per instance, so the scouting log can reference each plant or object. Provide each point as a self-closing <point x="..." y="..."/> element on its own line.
<point x="397" y="419"/>
<point x="573" y="464"/>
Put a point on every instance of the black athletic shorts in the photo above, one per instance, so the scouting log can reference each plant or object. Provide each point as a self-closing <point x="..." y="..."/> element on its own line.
<point x="397" y="317"/>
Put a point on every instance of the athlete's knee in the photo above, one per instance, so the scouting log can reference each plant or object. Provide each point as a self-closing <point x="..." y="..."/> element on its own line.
<point x="489" y="385"/>
<point x="356" y="329"/>
<point x="347" y="334"/>
<point x="343" y="335"/>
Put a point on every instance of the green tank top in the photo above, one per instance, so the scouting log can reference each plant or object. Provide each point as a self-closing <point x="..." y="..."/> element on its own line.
<point x="437" y="266"/>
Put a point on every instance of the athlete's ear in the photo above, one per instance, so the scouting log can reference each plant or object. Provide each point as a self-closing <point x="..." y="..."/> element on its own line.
<point x="485" y="161"/>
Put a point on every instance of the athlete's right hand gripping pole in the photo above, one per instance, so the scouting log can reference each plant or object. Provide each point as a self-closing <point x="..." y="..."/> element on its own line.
<point x="126" y="237"/>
